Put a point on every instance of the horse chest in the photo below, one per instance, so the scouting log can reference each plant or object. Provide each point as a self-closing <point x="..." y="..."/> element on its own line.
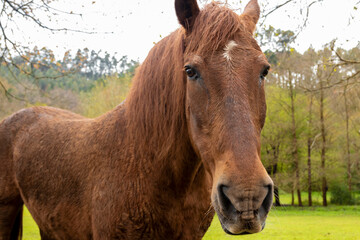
<point x="139" y="216"/>
<point x="181" y="222"/>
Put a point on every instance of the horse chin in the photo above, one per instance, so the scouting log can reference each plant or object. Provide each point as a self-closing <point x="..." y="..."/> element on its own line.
<point x="241" y="227"/>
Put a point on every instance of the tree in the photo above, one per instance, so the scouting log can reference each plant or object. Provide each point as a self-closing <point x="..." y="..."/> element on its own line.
<point x="274" y="137"/>
<point x="347" y="83"/>
<point x="309" y="59"/>
<point x="286" y="58"/>
<point x="15" y="55"/>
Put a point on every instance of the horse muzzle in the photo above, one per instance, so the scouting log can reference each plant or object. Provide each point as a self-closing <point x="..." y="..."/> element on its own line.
<point x="243" y="210"/>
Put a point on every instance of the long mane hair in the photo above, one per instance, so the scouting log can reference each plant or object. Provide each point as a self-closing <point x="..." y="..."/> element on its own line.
<point x="156" y="101"/>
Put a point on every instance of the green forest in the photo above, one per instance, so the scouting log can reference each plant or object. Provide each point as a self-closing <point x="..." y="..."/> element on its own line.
<point x="310" y="141"/>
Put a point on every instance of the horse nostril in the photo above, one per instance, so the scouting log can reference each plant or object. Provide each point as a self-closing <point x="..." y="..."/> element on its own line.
<point x="267" y="203"/>
<point x="224" y="201"/>
<point x="244" y="202"/>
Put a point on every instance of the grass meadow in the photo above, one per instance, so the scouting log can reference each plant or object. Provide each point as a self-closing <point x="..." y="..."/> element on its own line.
<point x="284" y="223"/>
<point x="290" y="223"/>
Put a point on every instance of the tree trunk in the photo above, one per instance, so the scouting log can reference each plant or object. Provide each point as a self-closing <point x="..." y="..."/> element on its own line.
<point x="324" y="187"/>
<point x="276" y="159"/>
<point x="294" y="142"/>
<point x="277" y="197"/>
<point x="272" y="170"/>
<point x="348" y="159"/>
<point x="358" y="162"/>
<point x="309" y="140"/>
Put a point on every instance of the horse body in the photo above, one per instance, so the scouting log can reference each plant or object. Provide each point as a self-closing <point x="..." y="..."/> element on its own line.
<point x="157" y="165"/>
<point x="100" y="179"/>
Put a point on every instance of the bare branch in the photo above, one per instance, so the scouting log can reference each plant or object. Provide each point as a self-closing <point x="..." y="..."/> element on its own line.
<point x="7" y="93"/>
<point x="274" y="9"/>
<point x="24" y="14"/>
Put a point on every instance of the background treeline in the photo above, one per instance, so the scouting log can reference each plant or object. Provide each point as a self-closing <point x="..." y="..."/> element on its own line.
<point x="310" y="142"/>
<point x="87" y="82"/>
<point x="311" y="139"/>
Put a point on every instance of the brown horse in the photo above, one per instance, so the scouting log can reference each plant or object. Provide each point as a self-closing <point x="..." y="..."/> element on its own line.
<point x="185" y="141"/>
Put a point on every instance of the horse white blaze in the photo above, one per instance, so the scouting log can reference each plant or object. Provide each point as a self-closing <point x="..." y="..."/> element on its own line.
<point x="227" y="50"/>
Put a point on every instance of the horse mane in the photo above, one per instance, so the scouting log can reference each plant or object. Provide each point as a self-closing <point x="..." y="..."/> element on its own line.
<point x="155" y="106"/>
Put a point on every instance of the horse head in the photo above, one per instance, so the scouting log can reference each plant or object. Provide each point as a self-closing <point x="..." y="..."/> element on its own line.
<point x="224" y="71"/>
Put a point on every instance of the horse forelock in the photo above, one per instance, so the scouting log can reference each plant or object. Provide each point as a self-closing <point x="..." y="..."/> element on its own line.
<point x="215" y="26"/>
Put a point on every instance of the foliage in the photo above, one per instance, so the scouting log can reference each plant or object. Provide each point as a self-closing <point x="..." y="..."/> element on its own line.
<point x="39" y="70"/>
<point x="106" y="94"/>
<point x="340" y="195"/>
<point x="83" y="72"/>
<point x="310" y="137"/>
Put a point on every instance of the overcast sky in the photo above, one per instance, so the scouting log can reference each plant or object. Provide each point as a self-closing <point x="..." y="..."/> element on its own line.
<point x="130" y="27"/>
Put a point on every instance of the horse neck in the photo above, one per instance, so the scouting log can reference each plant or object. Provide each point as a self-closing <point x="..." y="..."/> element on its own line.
<point x="156" y="120"/>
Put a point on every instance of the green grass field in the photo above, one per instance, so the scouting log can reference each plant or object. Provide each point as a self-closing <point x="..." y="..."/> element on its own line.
<point x="30" y="229"/>
<point x="284" y="223"/>
<point x="290" y="223"/>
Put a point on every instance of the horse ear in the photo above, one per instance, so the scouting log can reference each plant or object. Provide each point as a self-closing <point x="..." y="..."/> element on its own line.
<point x="251" y="15"/>
<point x="186" y="11"/>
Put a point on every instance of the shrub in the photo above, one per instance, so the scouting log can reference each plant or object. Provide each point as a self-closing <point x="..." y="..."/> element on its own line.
<point x="340" y="195"/>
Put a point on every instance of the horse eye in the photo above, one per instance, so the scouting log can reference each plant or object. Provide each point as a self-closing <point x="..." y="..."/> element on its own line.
<point x="190" y="72"/>
<point x="264" y="72"/>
